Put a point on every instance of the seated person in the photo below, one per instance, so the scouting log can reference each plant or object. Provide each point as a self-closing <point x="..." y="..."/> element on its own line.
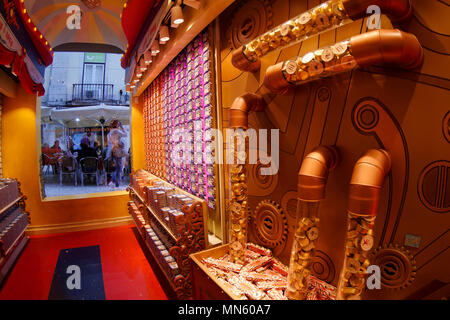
<point x="56" y="148"/>
<point x="86" y="152"/>
<point x="45" y="148"/>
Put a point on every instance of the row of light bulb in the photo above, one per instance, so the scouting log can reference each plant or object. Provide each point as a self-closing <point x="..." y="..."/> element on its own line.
<point x="177" y="18"/>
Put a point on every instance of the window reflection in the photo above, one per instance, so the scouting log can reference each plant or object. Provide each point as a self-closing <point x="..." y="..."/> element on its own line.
<point x="85" y="125"/>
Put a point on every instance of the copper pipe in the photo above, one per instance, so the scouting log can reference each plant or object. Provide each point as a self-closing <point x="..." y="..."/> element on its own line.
<point x="351" y="10"/>
<point x="312" y="179"/>
<point x="240" y="61"/>
<point x="367" y="179"/>
<point x="275" y="81"/>
<point x="313" y="173"/>
<point x="242" y="106"/>
<point x="364" y="195"/>
<point x="396" y="10"/>
<point x="390" y="47"/>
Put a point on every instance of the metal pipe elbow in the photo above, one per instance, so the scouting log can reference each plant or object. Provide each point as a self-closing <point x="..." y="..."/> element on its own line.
<point x="241" y="107"/>
<point x="240" y="61"/>
<point x="389" y="47"/>
<point x="275" y="81"/>
<point x="313" y="174"/>
<point x="366" y="182"/>
<point x="396" y="10"/>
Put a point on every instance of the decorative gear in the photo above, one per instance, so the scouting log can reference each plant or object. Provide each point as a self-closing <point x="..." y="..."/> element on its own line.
<point x="270" y="224"/>
<point x="251" y="19"/>
<point x="397" y="265"/>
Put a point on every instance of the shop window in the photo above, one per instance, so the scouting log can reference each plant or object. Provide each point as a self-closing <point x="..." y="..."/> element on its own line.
<point x="85" y="126"/>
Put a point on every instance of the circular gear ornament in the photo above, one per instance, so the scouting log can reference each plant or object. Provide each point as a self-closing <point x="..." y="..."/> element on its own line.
<point x="397" y="266"/>
<point x="270" y="224"/>
<point x="251" y="19"/>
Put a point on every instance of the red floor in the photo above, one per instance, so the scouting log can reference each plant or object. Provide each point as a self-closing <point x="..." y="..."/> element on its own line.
<point x="127" y="274"/>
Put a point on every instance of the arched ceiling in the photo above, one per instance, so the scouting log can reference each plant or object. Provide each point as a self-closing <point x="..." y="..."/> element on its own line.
<point x="100" y="23"/>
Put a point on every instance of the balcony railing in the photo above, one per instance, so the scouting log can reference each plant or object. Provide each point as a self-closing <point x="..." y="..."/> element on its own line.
<point x="92" y="92"/>
<point x="86" y="95"/>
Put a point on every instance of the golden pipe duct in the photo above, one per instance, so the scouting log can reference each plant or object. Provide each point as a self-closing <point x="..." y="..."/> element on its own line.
<point x="324" y="17"/>
<point x="388" y="47"/>
<point x="312" y="179"/>
<point x="240" y="61"/>
<point x="238" y="209"/>
<point x="241" y="107"/>
<point x="313" y="173"/>
<point x="367" y="179"/>
<point x="396" y="10"/>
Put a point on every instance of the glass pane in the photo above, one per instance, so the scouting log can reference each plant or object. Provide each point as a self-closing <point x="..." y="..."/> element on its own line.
<point x="98" y="74"/>
<point x="88" y="73"/>
<point x="86" y="134"/>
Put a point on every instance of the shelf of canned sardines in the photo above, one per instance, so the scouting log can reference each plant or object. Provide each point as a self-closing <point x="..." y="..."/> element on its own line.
<point x="172" y="224"/>
<point x="13" y="223"/>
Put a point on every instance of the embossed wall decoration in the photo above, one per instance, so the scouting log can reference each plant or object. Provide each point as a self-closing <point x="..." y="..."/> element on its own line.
<point x="323" y="267"/>
<point x="397" y="266"/>
<point x="289" y="203"/>
<point x="446" y="127"/>
<point x="250" y="20"/>
<point x="270" y="224"/>
<point x="434" y="186"/>
<point x="261" y="185"/>
<point x="404" y="112"/>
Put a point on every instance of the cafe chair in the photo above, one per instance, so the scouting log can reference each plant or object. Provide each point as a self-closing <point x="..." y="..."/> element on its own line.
<point x="67" y="167"/>
<point x="109" y="167"/>
<point x="89" y="167"/>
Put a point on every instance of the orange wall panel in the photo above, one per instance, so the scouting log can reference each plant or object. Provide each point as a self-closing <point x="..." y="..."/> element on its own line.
<point x="20" y="147"/>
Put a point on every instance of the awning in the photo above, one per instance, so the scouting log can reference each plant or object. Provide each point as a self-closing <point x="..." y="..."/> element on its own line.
<point x="90" y="116"/>
<point x="18" y="51"/>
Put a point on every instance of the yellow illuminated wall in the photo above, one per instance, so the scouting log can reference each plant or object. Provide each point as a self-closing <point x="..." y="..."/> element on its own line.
<point x="20" y="149"/>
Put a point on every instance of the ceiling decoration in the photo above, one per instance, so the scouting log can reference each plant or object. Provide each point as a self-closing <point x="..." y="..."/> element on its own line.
<point x="100" y="22"/>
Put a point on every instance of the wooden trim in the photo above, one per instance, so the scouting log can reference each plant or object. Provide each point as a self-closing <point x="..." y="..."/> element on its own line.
<point x="7" y="85"/>
<point x="79" y="226"/>
<point x="195" y="22"/>
<point x="215" y="253"/>
<point x="7" y="262"/>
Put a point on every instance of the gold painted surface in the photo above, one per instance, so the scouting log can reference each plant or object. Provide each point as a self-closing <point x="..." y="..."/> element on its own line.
<point x="410" y="107"/>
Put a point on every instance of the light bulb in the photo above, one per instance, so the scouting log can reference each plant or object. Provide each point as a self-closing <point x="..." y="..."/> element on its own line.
<point x="148" y="57"/>
<point x="164" y="33"/>
<point x="176" y="14"/>
<point x="155" y="48"/>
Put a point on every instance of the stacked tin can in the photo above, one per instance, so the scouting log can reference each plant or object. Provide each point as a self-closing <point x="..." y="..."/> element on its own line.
<point x="183" y="92"/>
<point x="238" y="213"/>
<point x="306" y="234"/>
<point x="159" y="247"/>
<point x="9" y="191"/>
<point x="154" y="129"/>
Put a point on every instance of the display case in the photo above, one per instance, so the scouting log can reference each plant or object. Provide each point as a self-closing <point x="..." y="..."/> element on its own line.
<point x="212" y="288"/>
<point x="172" y="223"/>
<point x="260" y="277"/>
<point x="13" y="223"/>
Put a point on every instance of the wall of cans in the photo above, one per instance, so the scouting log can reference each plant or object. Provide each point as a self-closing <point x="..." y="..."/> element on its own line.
<point x="1" y="166"/>
<point x="179" y="122"/>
